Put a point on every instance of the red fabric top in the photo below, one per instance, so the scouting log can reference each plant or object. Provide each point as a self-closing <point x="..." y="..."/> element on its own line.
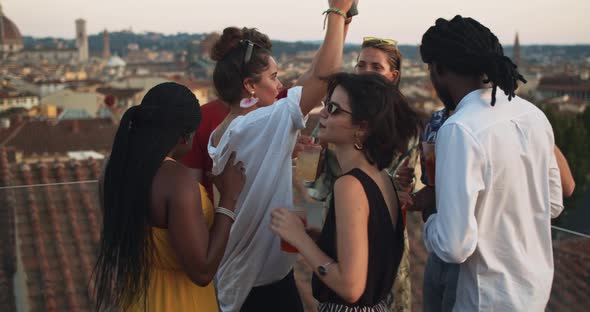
<point x="198" y="158"/>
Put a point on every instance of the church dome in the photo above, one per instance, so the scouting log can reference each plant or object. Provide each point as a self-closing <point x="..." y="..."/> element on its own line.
<point x="116" y="61"/>
<point x="9" y="33"/>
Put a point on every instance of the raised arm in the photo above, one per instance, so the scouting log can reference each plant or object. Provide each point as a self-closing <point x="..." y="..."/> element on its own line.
<point x="328" y="58"/>
<point x="306" y="76"/>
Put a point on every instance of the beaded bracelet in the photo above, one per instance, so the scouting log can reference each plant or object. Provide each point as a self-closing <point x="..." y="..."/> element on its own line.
<point x="227" y="212"/>
<point x="332" y="10"/>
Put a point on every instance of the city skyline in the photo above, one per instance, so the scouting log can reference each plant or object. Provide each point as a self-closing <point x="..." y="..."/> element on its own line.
<point x="304" y="22"/>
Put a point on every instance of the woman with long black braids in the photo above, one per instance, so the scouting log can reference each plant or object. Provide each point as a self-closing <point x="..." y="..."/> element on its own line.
<point x="161" y="240"/>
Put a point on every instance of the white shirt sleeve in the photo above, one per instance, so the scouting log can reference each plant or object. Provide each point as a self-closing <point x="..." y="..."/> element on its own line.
<point x="274" y="126"/>
<point x="294" y="101"/>
<point x="452" y="232"/>
<point x="555" y="189"/>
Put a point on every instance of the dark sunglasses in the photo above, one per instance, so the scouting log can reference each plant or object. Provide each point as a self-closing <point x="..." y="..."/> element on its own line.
<point x="249" y="50"/>
<point x="333" y="108"/>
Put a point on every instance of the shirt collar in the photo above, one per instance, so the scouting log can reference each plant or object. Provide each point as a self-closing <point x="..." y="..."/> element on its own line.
<point x="478" y="93"/>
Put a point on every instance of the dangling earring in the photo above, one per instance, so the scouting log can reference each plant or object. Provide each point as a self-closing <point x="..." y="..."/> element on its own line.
<point x="249" y="102"/>
<point x="358" y="145"/>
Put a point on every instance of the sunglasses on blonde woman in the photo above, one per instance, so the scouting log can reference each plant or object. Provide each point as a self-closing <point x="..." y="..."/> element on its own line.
<point x="380" y="40"/>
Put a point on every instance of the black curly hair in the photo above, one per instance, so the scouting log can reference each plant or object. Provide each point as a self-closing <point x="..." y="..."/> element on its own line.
<point x="378" y="104"/>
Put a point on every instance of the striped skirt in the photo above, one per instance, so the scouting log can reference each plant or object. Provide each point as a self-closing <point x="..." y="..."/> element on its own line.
<point x="334" y="307"/>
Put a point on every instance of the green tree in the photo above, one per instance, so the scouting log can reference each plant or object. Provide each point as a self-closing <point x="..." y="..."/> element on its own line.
<point x="572" y="135"/>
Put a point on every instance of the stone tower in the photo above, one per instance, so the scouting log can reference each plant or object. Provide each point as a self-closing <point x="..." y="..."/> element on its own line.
<point x="516" y="51"/>
<point x="82" y="40"/>
<point x="106" y="45"/>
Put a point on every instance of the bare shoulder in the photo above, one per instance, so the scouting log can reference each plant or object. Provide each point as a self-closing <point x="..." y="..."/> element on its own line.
<point x="174" y="177"/>
<point x="347" y="184"/>
<point x="173" y="189"/>
<point x="349" y="193"/>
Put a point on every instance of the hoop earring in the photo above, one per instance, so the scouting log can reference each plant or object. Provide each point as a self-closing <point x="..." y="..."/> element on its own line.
<point x="358" y="146"/>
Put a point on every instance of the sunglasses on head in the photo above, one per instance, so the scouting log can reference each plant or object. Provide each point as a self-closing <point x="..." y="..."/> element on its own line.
<point x="248" y="52"/>
<point x="333" y="108"/>
<point x="381" y="40"/>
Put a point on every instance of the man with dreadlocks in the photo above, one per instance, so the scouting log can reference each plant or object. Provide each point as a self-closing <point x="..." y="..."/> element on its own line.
<point x="497" y="180"/>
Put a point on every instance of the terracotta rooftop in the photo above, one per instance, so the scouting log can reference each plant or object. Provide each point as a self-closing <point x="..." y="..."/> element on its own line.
<point x="10" y="92"/>
<point x="563" y="79"/>
<point x="564" y="83"/>
<point x="38" y="137"/>
<point x="7" y="237"/>
<point x="565" y="88"/>
<point x="119" y="93"/>
<point x="50" y="240"/>
<point x="52" y="235"/>
<point x="571" y="283"/>
<point x="191" y="84"/>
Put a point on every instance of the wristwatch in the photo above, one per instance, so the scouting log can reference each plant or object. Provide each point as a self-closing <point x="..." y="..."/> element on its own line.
<point x="323" y="269"/>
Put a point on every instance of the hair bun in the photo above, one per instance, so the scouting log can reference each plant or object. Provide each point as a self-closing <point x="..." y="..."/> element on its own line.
<point x="228" y="41"/>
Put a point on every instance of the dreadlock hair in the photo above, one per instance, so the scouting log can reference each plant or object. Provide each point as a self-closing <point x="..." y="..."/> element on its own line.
<point x="146" y="134"/>
<point x="465" y="46"/>
<point x="377" y="103"/>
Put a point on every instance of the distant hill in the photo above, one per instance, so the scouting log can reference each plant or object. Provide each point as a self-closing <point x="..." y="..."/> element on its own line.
<point x="178" y="42"/>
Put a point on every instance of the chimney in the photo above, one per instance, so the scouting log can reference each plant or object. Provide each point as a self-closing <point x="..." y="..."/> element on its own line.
<point x="75" y="126"/>
<point x="4" y="123"/>
<point x="16" y="120"/>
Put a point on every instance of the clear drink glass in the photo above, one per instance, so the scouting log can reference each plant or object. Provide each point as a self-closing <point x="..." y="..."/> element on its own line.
<point x="307" y="162"/>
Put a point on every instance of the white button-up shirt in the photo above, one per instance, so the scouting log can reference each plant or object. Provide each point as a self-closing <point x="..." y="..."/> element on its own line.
<point x="263" y="140"/>
<point x="497" y="188"/>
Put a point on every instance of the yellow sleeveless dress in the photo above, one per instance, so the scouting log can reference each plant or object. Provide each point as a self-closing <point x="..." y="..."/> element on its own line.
<point x="170" y="288"/>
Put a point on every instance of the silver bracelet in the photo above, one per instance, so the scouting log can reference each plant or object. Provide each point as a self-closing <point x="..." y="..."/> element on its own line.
<point x="227" y="212"/>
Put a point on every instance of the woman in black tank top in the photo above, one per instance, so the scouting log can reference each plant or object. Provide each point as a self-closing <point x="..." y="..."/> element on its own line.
<point x="358" y="253"/>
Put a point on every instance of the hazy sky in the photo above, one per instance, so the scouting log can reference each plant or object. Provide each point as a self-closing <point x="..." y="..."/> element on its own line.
<point x="537" y="21"/>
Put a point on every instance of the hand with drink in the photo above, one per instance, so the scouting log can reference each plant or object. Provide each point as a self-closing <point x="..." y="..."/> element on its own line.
<point x="302" y="142"/>
<point x="290" y="226"/>
<point x="425" y="200"/>
<point x="404" y="176"/>
<point x="429" y="162"/>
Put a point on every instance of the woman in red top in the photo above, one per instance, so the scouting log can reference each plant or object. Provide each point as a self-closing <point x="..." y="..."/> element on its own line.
<point x="198" y="159"/>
